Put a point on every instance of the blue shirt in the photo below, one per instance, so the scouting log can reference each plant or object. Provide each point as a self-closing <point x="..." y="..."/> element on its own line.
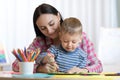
<point x="67" y="60"/>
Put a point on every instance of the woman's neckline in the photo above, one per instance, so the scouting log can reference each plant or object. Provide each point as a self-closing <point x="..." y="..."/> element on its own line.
<point x="56" y="41"/>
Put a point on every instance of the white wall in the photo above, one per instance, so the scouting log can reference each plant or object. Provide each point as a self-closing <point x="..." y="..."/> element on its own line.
<point x="118" y="12"/>
<point x="109" y="49"/>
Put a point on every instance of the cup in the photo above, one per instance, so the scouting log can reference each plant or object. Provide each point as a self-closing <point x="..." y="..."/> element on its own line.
<point x="26" y="67"/>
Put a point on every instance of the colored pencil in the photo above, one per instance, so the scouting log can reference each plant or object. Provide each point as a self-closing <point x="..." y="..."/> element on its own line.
<point x="22" y="55"/>
<point x="26" y="56"/>
<point x="37" y="53"/>
<point x="16" y="55"/>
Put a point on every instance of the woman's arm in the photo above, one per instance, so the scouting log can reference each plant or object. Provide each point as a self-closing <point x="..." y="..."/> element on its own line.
<point x="15" y="66"/>
<point x="93" y="63"/>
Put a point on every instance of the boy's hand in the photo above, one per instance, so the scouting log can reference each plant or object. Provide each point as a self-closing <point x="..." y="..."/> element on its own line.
<point x="49" y="58"/>
<point x="77" y="70"/>
<point x="47" y="68"/>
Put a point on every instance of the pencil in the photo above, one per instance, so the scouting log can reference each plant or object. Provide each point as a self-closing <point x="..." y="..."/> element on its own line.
<point x="16" y="55"/>
<point x="32" y="58"/>
<point x="22" y="55"/>
<point x="112" y="74"/>
<point x="25" y="52"/>
<point x="28" y="55"/>
<point x="37" y="52"/>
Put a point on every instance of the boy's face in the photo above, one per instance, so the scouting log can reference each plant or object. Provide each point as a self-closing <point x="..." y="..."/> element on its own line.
<point x="70" y="42"/>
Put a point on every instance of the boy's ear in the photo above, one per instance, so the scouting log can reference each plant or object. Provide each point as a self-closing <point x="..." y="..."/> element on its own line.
<point x="80" y="39"/>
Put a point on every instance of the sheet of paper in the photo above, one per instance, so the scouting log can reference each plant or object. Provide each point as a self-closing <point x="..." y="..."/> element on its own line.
<point x="35" y="75"/>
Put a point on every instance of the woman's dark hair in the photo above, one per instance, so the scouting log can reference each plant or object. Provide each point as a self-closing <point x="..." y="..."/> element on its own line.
<point x="43" y="9"/>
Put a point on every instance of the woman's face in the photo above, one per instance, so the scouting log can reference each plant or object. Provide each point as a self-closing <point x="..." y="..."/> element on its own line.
<point x="49" y="24"/>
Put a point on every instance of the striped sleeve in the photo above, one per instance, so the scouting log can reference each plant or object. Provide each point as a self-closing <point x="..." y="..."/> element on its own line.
<point x="93" y="63"/>
<point x="53" y="50"/>
<point x="83" y="59"/>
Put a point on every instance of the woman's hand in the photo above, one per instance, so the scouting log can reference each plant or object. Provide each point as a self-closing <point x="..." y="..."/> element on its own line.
<point x="77" y="70"/>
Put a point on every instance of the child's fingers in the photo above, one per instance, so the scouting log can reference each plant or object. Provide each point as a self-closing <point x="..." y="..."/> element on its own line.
<point x="54" y="66"/>
<point x="57" y="67"/>
<point x="50" y="55"/>
<point x="50" y="68"/>
<point x="48" y="59"/>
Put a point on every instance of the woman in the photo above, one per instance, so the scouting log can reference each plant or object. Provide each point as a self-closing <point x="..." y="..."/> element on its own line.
<point x="47" y="20"/>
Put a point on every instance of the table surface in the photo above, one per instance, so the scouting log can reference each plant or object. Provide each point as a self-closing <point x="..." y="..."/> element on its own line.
<point x="6" y="75"/>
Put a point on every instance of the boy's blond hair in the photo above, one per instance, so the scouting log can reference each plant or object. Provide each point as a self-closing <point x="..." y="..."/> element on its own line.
<point x="71" y="25"/>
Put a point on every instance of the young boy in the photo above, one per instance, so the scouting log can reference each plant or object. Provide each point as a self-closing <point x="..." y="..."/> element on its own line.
<point x="67" y="55"/>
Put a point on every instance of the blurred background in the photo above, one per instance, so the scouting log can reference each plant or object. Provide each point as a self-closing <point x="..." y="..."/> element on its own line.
<point x="97" y="17"/>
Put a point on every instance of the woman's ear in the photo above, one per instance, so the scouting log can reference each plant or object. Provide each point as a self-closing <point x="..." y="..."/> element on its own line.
<point x="58" y="15"/>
